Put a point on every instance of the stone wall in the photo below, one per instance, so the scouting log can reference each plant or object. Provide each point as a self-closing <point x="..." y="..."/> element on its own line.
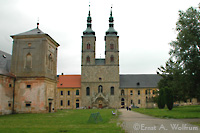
<point x="6" y="94"/>
<point x="34" y="95"/>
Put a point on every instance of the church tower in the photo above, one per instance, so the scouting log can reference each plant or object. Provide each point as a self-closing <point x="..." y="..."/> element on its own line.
<point x="112" y="47"/>
<point x="34" y="63"/>
<point x="88" y="44"/>
<point x="100" y="77"/>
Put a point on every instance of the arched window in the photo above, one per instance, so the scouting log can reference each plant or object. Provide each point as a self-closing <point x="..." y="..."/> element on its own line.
<point x="111" y="58"/>
<point x="87" y="91"/>
<point x="88" y="59"/>
<point x="112" y="90"/>
<point x="88" y="46"/>
<point x="122" y="99"/>
<point x="100" y="89"/>
<point x="77" y="92"/>
<point x="28" y="61"/>
<point x="112" y="46"/>
<point x="122" y="92"/>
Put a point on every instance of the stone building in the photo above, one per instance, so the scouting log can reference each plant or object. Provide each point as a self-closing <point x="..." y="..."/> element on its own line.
<point x="30" y="81"/>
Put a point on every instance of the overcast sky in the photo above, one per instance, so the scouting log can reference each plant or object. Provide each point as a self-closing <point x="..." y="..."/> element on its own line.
<point x="145" y="28"/>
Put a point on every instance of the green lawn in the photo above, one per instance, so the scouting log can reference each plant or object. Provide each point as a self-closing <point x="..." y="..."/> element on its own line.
<point x="181" y="112"/>
<point x="62" y="121"/>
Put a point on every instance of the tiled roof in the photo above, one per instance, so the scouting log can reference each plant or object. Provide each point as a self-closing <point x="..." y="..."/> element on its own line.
<point x="5" y="63"/>
<point x="139" y="81"/>
<point x="69" y="81"/>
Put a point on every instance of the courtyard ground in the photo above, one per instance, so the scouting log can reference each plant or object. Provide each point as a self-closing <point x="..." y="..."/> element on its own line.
<point x="137" y="122"/>
<point x="70" y="121"/>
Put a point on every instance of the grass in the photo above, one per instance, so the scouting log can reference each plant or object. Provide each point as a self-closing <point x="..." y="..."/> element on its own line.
<point x="180" y="112"/>
<point x="62" y="121"/>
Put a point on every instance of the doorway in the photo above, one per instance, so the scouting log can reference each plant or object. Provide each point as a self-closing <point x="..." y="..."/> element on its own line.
<point x="50" y="107"/>
<point x="77" y="105"/>
<point x="100" y="106"/>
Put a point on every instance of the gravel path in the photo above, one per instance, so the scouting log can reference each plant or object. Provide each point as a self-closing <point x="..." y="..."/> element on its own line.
<point x="134" y="122"/>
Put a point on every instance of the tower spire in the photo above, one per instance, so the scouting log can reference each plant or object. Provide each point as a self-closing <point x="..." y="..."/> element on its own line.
<point x="89" y="30"/>
<point x="111" y="30"/>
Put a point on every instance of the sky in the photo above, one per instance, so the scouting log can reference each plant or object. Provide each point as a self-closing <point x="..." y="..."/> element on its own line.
<point x="145" y="28"/>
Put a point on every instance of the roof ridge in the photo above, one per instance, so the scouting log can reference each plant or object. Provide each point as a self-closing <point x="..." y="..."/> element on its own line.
<point x="34" y="31"/>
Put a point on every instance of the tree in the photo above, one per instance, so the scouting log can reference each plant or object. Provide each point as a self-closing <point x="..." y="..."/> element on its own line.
<point x="161" y="99"/>
<point x="181" y="72"/>
<point x="169" y="98"/>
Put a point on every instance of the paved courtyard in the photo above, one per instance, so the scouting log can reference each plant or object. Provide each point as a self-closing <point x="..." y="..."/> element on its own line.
<point x="134" y="122"/>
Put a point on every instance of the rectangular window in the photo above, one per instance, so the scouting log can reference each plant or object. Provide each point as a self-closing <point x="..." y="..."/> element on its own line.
<point x="112" y="91"/>
<point x="131" y="92"/>
<point x="28" y="104"/>
<point x="146" y="92"/>
<point x="138" y="101"/>
<point x="68" y="92"/>
<point x="61" y="93"/>
<point x="153" y="91"/>
<point x="9" y="104"/>
<point x="138" y="92"/>
<point x="28" y="86"/>
<point x="10" y="85"/>
<point x="61" y="102"/>
<point x="68" y="102"/>
<point x="87" y="91"/>
<point x="77" y="92"/>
